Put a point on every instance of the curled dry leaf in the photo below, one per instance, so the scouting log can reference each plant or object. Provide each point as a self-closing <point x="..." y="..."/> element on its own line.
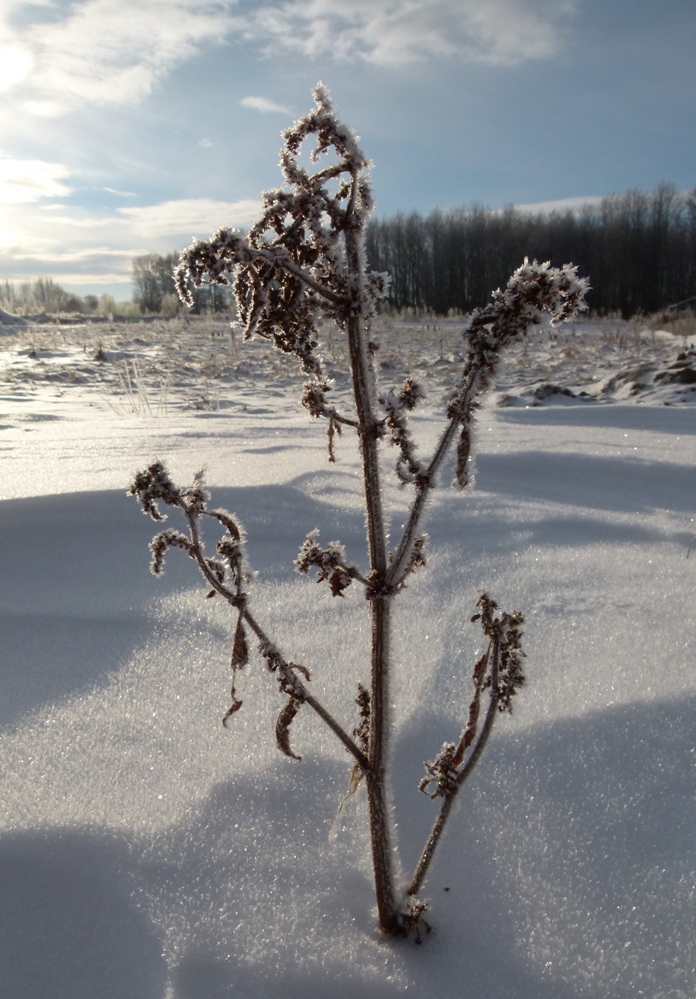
<point x="282" y="730"/>
<point x="240" y="648"/>
<point x="234" y="707"/>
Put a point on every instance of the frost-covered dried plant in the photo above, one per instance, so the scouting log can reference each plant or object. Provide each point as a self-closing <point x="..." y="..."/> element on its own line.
<point x="303" y="264"/>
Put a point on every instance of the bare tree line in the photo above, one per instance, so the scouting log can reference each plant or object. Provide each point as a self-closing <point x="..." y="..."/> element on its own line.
<point x="42" y="295"/>
<point x="640" y="249"/>
<point x="153" y="292"/>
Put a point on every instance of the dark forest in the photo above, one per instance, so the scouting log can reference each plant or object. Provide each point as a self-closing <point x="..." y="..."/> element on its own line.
<point x="638" y="249"/>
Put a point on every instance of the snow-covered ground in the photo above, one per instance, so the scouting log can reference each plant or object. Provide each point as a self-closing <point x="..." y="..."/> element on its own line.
<point x="147" y="852"/>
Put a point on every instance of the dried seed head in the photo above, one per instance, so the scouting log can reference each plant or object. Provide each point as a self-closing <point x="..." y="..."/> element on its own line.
<point x="441" y="772"/>
<point x="291" y="269"/>
<point x="160" y="545"/>
<point x="330" y="563"/>
<point x="151" y="485"/>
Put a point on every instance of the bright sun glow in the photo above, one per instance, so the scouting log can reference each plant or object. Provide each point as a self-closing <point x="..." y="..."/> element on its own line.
<point x="15" y="65"/>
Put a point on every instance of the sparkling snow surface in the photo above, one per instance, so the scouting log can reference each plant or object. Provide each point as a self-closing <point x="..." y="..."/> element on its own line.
<point x="146" y="852"/>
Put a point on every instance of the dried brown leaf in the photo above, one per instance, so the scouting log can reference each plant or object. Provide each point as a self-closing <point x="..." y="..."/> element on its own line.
<point x="233" y="708"/>
<point x="356" y="776"/>
<point x="240" y="649"/>
<point x="282" y="730"/>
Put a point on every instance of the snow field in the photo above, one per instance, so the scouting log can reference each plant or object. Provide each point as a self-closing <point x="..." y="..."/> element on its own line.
<point x="147" y="851"/>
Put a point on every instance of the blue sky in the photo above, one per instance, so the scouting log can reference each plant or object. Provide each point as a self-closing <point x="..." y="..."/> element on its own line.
<point x="129" y="126"/>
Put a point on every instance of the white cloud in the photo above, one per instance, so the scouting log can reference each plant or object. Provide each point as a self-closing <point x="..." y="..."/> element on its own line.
<point x="65" y="257"/>
<point x="189" y="217"/>
<point x="72" y="240"/>
<point x="39" y="254"/>
<point x="391" y="32"/>
<point x="103" y="278"/>
<point x="115" y="51"/>
<point x="15" y="64"/>
<point x="105" y="51"/>
<point x="263" y="104"/>
<point x="26" y="181"/>
<point x="562" y="205"/>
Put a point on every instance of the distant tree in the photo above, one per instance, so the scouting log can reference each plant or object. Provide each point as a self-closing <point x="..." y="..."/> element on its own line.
<point x="170" y="306"/>
<point x="26" y="296"/>
<point x="211" y="298"/>
<point x="49" y="296"/>
<point x="107" y="306"/>
<point x="153" y="279"/>
<point x="8" y="296"/>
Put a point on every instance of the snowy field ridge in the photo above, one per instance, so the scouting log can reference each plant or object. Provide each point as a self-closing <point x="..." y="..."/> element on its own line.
<point x="148" y="852"/>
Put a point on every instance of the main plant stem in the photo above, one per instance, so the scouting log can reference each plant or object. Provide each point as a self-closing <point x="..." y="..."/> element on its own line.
<point x="369" y="432"/>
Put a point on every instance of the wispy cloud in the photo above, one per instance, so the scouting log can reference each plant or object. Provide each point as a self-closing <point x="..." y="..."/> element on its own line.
<point x="27" y="181"/>
<point x="116" y="51"/>
<point x="189" y="217"/>
<point x="68" y="240"/>
<point x="263" y="104"/>
<point x="15" y="62"/>
<point x="562" y="205"/>
<point x="394" y="32"/>
<point x="104" y="51"/>
<point x="93" y="264"/>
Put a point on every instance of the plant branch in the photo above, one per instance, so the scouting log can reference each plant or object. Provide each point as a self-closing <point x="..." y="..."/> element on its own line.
<point x="449" y="797"/>
<point x="298" y="686"/>
<point x="154" y="484"/>
<point x="286" y="263"/>
<point x="499" y="670"/>
<point x="534" y="289"/>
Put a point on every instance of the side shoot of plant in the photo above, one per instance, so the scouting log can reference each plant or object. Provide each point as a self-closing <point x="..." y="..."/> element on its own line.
<point x="302" y="265"/>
